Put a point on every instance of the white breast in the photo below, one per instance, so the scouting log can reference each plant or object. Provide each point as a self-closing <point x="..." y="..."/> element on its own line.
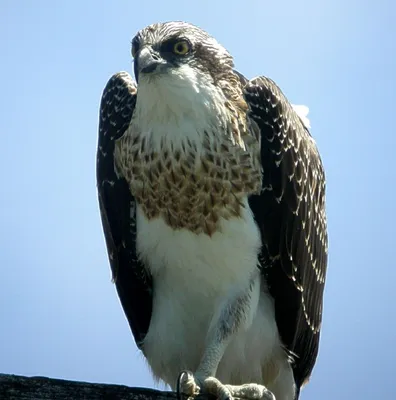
<point x="192" y="274"/>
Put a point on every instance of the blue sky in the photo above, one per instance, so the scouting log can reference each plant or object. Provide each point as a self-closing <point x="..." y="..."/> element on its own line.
<point x="59" y="313"/>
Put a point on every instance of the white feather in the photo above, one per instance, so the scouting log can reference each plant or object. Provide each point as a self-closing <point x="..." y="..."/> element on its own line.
<point x="177" y="106"/>
<point x="194" y="274"/>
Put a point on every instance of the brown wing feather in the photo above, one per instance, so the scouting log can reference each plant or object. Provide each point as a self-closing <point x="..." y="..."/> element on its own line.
<point x="117" y="207"/>
<point x="290" y="212"/>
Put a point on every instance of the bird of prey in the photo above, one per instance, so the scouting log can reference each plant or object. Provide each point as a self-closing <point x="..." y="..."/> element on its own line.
<point x="212" y="199"/>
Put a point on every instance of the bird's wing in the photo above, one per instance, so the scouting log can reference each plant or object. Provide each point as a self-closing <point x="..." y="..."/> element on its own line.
<point x="290" y="212"/>
<point x="118" y="207"/>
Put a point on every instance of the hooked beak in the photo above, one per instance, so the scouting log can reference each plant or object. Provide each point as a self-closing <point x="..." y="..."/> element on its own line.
<point x="146" y="62"/>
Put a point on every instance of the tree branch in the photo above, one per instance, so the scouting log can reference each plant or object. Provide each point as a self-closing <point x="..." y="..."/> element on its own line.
<point x="15" y="387"/>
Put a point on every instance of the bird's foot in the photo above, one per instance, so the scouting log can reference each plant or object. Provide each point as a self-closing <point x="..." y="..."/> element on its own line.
<point x="191" y="386"/>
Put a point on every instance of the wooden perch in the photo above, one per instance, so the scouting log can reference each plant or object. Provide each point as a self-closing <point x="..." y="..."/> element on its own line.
<point x="15" y="387"/>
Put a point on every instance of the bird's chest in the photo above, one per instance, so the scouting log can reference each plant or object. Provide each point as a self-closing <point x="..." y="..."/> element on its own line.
<point x="189" y="186"/>
<point x="193" y="275"/>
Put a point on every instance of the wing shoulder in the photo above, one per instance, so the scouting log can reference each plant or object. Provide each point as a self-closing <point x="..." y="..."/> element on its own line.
<point x="118" y="207"/>
<point x="290" y="212"/>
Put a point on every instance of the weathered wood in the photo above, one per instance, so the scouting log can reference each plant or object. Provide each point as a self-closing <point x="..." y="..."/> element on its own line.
<point x="16" y="387"/>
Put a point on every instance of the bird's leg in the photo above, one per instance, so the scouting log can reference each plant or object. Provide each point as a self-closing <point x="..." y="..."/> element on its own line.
<point x="235" y="313"/>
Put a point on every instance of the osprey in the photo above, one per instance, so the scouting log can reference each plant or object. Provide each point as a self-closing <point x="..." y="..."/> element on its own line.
<point x="212" y="199"/>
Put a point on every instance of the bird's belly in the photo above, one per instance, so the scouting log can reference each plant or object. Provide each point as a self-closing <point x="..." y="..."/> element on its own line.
<point x="192" y="275"/>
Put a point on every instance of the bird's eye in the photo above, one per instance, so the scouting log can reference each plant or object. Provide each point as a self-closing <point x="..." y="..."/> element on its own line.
<point x="181" y="48"/>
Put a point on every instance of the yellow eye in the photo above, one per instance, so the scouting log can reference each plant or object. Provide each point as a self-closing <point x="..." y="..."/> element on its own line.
<point x="181" y="48"/>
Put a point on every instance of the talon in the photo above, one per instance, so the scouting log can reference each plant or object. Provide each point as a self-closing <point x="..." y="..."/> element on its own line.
<point x="215" y="387"/>
<point x="251" y="391"/>
<point x="186" y="385"/>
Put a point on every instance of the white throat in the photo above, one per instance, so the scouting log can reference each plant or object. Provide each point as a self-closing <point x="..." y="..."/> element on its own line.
<point x="178" y="106"/>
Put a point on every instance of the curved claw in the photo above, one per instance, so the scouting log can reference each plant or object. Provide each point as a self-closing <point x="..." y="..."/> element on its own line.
<point x="186" y="385"/>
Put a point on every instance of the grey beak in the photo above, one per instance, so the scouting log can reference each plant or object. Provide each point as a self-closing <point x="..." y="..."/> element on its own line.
<point x="146" y="61"/>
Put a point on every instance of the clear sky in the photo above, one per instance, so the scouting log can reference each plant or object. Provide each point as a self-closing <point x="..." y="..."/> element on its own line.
<point x="59" y="312"/>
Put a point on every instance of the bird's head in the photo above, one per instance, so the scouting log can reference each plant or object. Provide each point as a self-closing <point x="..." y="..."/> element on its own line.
<point x="184" y="65"/>
<point x="175" y="47"/>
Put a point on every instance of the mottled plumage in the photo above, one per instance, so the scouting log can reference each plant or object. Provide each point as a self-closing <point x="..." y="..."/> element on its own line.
<point x="212" y="197"/>
<point x="190" y="189"/>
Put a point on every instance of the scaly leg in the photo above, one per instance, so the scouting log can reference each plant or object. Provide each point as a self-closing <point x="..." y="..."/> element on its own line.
<point x="235" y="313"/>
